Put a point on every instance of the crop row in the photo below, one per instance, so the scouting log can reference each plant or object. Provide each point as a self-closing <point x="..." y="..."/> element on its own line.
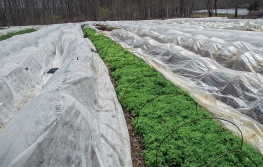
<point x="158" y="108"/>
<point x="10" y="34"/>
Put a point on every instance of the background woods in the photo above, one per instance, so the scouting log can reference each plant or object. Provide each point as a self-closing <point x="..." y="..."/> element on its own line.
<point x="26" y="12"/>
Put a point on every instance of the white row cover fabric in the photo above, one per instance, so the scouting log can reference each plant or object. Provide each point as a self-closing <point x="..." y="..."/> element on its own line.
<point x="7" y="30"/>
<point x="22" y="70"/>
<point x="252" y="130"/>
<point x="207" y="81"/>
<point x="239" y="89"/>
<point x="236" y="55"/>
<point x="76" y="119"/>
<point x="222" y="23"/>
<point x="18" y="42"/>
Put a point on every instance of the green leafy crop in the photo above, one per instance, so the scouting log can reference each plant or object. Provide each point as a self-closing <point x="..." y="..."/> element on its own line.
<point x="159" y="107"/>
<point x="9" y="35"/>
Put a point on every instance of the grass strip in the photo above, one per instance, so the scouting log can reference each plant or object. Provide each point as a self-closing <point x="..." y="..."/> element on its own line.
<point x="10" y="34"/>
<point x="159" y="107"/>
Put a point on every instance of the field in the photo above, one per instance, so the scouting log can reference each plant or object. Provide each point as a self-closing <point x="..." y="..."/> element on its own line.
<point x="193" y="88"/>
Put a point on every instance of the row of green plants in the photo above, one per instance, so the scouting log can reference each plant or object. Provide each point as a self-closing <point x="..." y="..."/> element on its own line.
<point x="10" y="34"/>
<point x="158" y="108"/>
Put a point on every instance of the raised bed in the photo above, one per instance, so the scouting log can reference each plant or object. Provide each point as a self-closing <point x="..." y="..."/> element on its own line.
<point x="175" y="130"/>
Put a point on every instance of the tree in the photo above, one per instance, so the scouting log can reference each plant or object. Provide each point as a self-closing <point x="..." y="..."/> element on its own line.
<point x="236" y="10"/>
<point x="181" y="8"/>
<point x="191" y="10"/>
<point x="254" y="6"/>
<point x="208" y="8"/>
<point x="24" y="12"/>
<point x="3" y="13"/>
<point x="215" y="8"/>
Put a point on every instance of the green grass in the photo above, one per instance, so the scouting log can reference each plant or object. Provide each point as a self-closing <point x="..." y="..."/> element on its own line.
<point x="159" y="107"/>
<point x="9" y="35"/>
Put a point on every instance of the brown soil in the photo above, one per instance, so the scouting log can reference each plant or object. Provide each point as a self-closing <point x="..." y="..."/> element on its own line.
<point x="138" y="159"/>
<point x="103" y="29"/>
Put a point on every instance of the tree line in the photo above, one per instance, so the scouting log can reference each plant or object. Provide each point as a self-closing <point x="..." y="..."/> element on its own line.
<point x="31" y="12"/>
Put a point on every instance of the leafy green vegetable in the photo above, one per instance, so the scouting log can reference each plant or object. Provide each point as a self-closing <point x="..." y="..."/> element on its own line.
<point x="9" y="35"/>
<point x="159" y="107"/>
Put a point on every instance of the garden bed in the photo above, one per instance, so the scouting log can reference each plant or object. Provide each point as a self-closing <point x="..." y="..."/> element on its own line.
<point x="9" y="35"/>
<point x="159" y="108"/>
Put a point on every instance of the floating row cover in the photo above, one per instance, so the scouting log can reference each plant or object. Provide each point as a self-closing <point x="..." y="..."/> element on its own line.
<point x="222" y="23"/>
<point x="18" y="42"/>
<point x="236" y="55"/>
<point x="213" y="68"/>
<point x="6" y="30"/>
<point x="75" y="118"/>
<point x="203" y="78"/>
<point x="22" y="70"/>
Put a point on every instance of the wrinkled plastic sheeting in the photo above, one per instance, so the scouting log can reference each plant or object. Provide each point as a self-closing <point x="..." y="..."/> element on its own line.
<point x="219" y="79"/>
<point x="76" y="120"/>
<point x="22" y="71"/>
<point x="208" y="82"/>
<point x="7" y="30"/>
<point x="233" y="87"/>
<point x="236" y="55"/>
<point x="18" y="42"/>
<point x="222" y="23"/>
<point x="252" y="131"/>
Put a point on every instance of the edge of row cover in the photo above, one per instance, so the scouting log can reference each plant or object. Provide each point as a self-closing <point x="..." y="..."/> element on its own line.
<point x="251" y="129"/>
<point x="76" y="119"/>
